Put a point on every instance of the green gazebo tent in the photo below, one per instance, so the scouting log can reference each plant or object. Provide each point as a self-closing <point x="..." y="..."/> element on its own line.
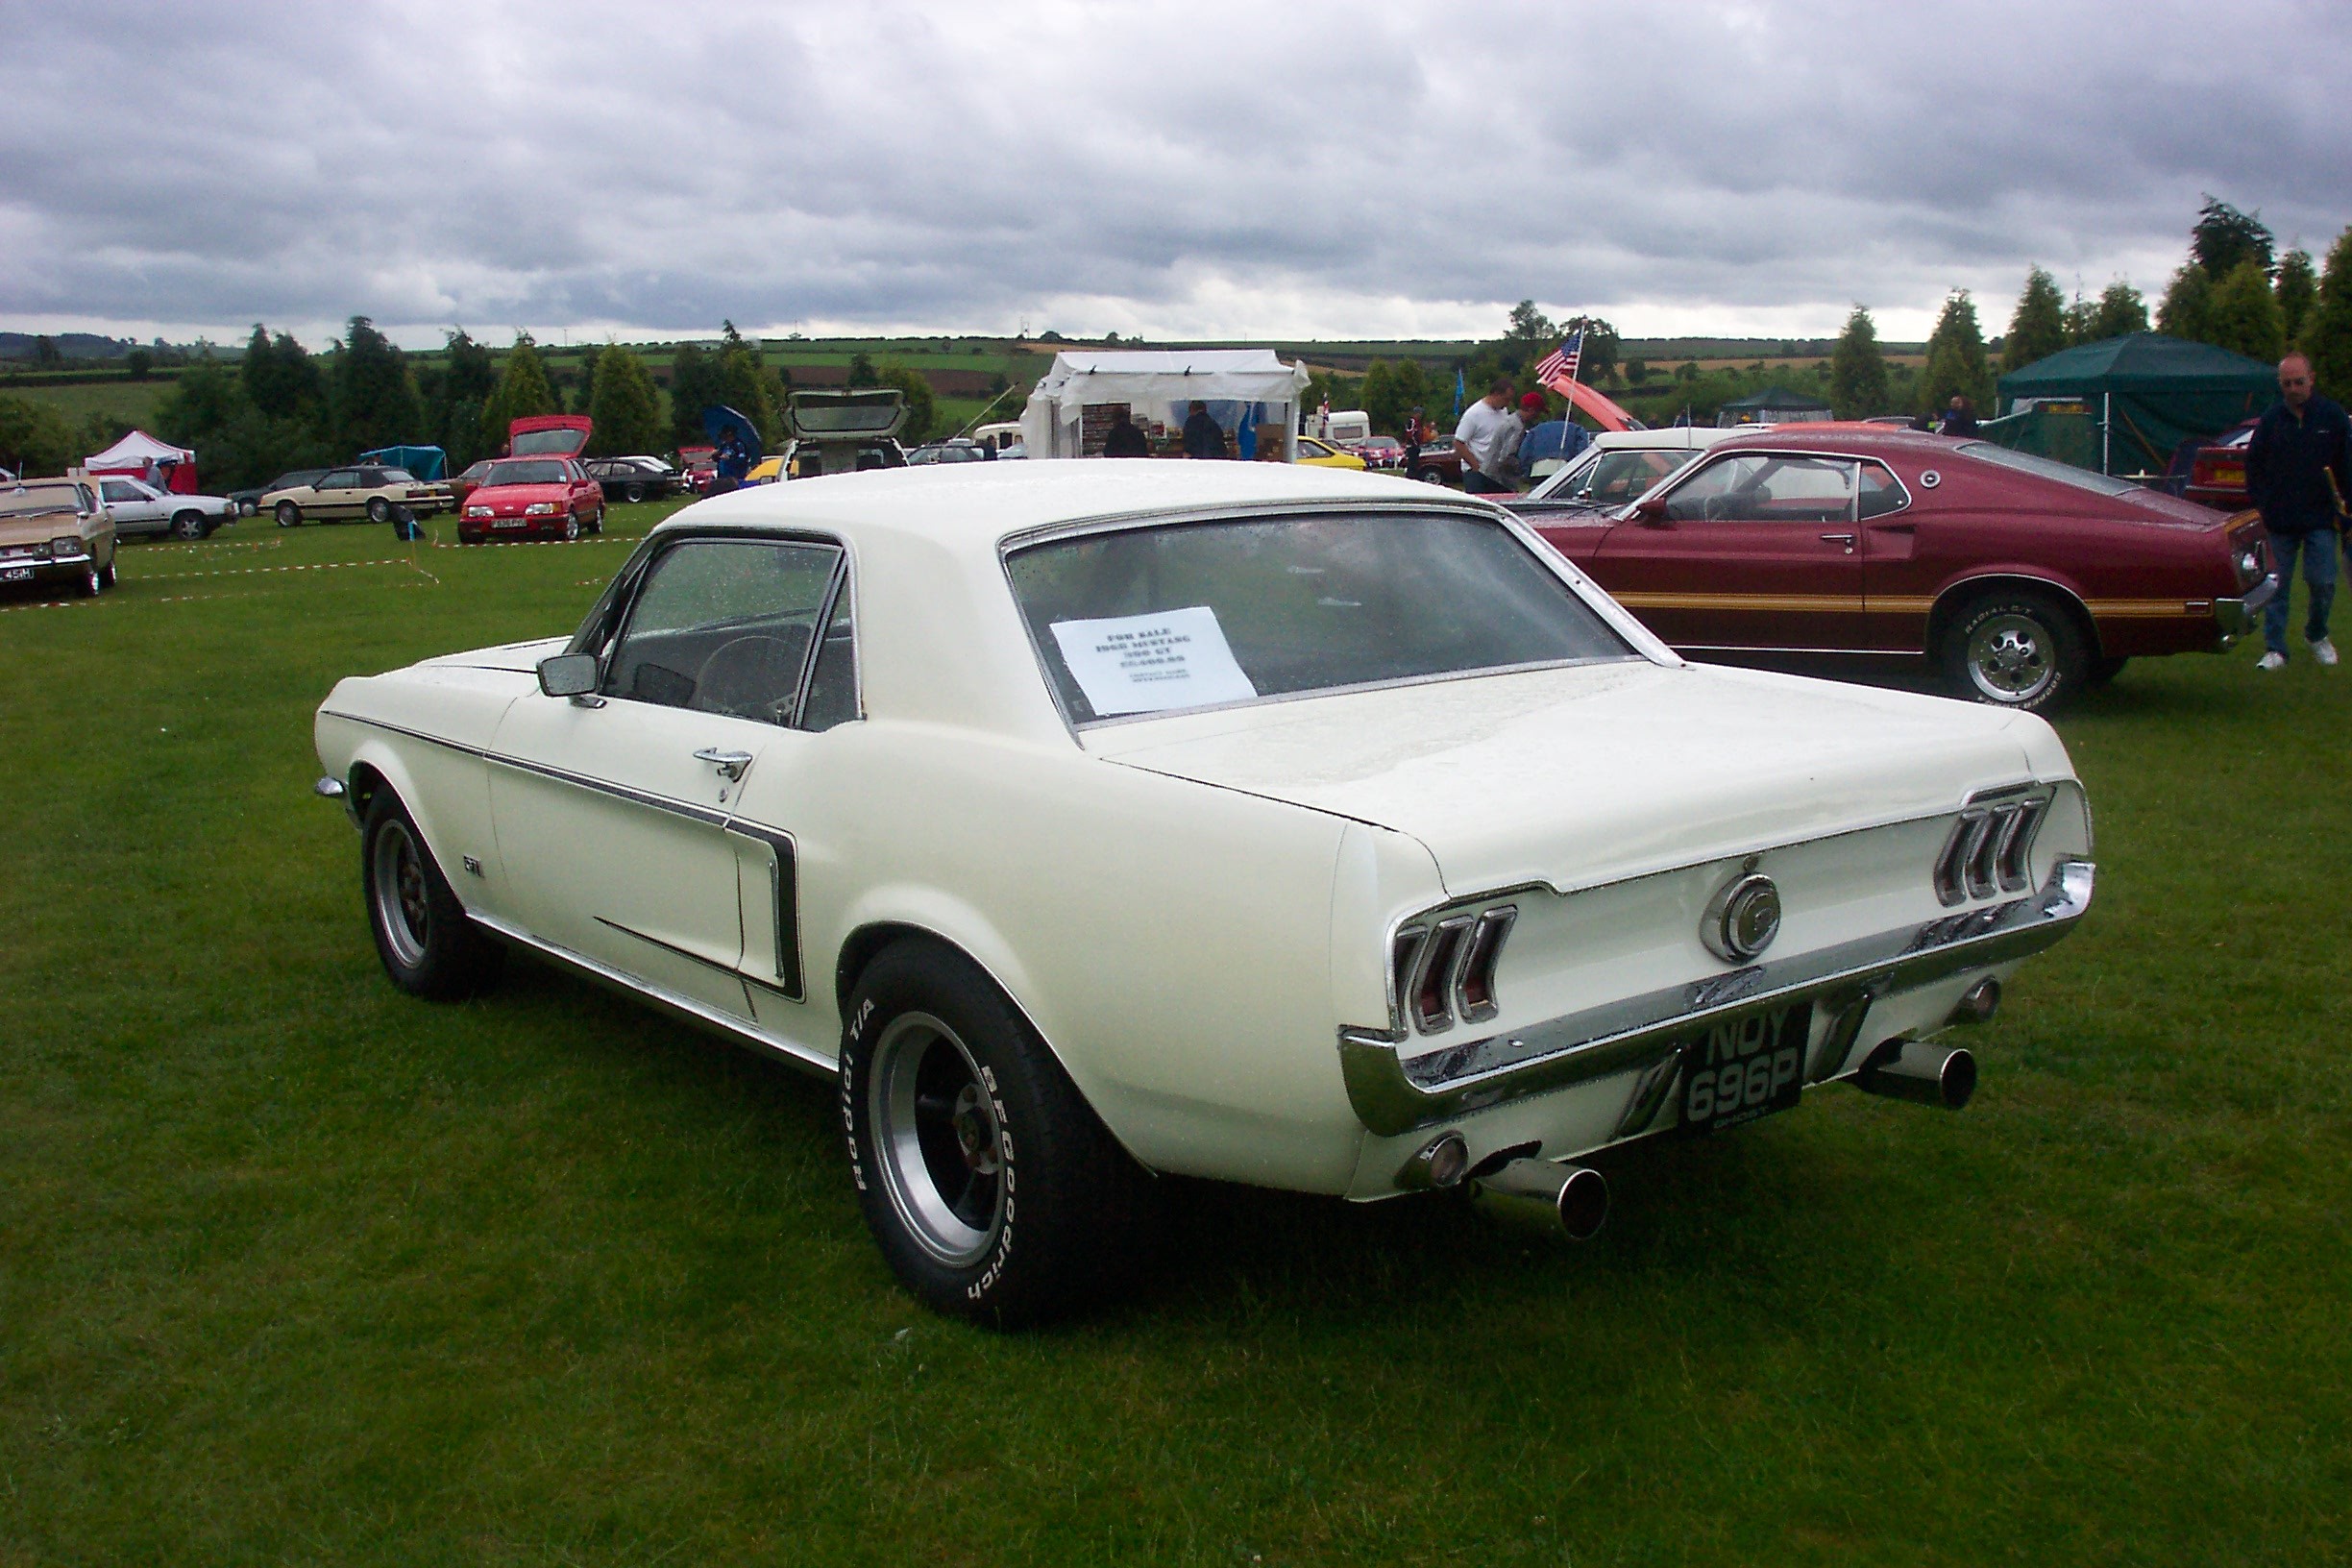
<point x="1774" y="405"/>
<point x="2134" y="398"/>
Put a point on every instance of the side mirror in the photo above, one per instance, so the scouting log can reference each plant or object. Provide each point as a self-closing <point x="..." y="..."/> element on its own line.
<point x="1650" y="510"/>
<point x="568" y="674"/>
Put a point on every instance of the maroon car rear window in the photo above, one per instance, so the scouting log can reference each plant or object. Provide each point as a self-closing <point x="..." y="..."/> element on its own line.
<point x="2081" y="479"/>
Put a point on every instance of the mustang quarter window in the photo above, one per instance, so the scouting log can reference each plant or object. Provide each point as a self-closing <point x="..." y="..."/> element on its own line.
<point x="1158" y="620"/>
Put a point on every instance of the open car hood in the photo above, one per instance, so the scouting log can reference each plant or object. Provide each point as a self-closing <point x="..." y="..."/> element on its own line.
<point x="872" y="412"/>
<point x="549" y="435"/>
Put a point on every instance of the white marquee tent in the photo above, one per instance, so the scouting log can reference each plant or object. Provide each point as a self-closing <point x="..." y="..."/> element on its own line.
<point x="1245" y="388"/>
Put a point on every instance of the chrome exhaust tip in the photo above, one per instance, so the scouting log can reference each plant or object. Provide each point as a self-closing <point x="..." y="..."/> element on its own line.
<point x="1924" y="1074"/>
<point x="1567" y="1200"/>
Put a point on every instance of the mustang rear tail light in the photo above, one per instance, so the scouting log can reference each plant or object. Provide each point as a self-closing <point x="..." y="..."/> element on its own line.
<point x="1446" y="971"/>
<point x="1988" y="850"/>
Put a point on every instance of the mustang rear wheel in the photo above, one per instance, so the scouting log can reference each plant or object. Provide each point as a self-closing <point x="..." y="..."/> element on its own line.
<point x="992" y="1189"/>
<point x="427" y="945"/>
<point x="2016" y="648"/>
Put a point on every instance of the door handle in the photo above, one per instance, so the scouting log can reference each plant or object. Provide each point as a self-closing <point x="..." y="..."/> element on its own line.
<point x="1846" y="539"/>
<point x="730" y="763"/>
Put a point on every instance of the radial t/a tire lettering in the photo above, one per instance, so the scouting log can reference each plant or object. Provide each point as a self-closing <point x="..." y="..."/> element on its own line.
<point x="427" y="945"/>
<point x="2016" y="649"/>
<point x="992" y="1188"/>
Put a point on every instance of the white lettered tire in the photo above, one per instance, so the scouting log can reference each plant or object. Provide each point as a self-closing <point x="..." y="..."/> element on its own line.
<point x="993" y="1191"/>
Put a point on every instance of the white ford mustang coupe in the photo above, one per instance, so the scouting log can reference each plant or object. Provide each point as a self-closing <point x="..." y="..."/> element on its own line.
<point x="1281" y="826"/>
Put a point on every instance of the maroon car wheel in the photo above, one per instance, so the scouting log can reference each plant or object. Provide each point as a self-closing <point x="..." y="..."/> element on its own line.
<point x="2016" y="649"/>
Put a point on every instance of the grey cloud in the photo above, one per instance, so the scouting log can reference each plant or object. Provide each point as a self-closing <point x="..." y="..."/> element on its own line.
<point x="655" y="168"/>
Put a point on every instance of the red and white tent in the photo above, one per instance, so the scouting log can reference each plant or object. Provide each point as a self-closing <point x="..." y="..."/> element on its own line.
<point x="139" y="453"/>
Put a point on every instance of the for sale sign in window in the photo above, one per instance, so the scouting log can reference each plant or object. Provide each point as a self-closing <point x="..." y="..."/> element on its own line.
<point x="1152" y="663"/>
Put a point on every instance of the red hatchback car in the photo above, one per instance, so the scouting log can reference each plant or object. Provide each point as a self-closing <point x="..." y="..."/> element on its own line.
<point x="2023" y="578"/>
<point x="532" y="497"/>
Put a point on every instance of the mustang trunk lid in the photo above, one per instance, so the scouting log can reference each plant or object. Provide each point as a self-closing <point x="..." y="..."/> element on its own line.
<point x="1580" y="776"/>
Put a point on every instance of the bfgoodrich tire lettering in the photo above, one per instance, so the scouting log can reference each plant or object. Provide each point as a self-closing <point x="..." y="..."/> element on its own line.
<point x="992" y="1189"/>
<point x="427" y="945"/>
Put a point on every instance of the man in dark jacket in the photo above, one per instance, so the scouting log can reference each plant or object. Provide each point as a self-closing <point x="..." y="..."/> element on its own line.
<point x="1203" y="435"/>
<point x="2298" y="475"/>
<point x="1125" y="438"/>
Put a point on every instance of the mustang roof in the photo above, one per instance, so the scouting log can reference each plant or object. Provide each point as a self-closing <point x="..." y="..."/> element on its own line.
<point x="976" y="504"/>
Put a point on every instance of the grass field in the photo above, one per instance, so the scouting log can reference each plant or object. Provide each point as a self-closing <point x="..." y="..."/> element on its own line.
<point x="132" y="401"/>
<point x="296" y="1269"/>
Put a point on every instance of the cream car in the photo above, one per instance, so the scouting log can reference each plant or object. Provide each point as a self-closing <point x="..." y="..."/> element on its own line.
<point x="56" y="530"/>
<point x="365" y="490"/>
<point x="1267" y="823"/>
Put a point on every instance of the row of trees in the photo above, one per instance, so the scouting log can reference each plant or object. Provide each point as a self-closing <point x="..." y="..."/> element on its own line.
<point x="282" y="407"/>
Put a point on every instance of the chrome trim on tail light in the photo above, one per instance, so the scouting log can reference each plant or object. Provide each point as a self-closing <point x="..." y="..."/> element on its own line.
<point x="1989" y="849"/>
<point x="1430" y="1003"/>
<point x="1474" y="992"/>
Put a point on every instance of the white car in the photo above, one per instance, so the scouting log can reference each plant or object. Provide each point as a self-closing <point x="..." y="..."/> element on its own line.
<point x="139" y="507"/>
<point x="1619" y="467"/>
<point x="1274" y="824"/>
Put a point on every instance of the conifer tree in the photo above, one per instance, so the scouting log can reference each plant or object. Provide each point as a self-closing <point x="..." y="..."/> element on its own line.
<point x="625" y="404"/>
<point x="1857" y="370"/>
<point x="2297" y="290"/>
<point x="2243" y="316"/>
<point x="522" y="391"/>
<point x="2327" y="336"/>
<point x="2038" y="328"/>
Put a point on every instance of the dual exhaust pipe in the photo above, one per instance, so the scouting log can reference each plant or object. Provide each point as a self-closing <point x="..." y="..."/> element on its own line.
<point x="1574" y="1200"/>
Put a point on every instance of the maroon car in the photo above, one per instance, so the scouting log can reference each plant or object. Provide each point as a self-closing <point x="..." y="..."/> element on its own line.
<point x="2021" y="578"/>
<point x="532" y="497"/>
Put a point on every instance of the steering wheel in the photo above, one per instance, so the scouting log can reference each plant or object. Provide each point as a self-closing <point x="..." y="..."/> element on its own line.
<point x="752" y="677"/>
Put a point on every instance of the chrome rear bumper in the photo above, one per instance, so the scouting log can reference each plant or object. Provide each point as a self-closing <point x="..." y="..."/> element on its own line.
<point x="2238" y="616"/>
<point x="1393" y="1094"/>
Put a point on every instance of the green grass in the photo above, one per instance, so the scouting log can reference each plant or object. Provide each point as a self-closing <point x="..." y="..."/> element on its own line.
<point x="132" y="401"/>
<point x="294" y="1268"/>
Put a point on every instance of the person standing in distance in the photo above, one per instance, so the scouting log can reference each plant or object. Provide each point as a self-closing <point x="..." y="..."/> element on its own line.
<point x="1203" y="437"/>
<point x="1125" y="438"/>
<point x="2298" y="477"/>
<point x="1486" y="439"/>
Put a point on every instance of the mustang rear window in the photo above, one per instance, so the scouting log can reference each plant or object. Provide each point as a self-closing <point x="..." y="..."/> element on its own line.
<point x="2025" y="463"/>
<point x="1160" y="620"/>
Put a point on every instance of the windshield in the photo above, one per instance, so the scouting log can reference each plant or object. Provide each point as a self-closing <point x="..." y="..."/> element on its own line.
<point x="2081" y="479"/>
<point x="1159" y="620"/>
<point x="543" y="471"/>
<point x="1615" y="477"/>
<point x="39" y="500"/>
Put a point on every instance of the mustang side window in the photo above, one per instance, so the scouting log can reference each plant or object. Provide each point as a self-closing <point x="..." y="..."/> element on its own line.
<point x="724" y="625"/>
<point x="1762" y="487"/>
<point x="832" y="692"/>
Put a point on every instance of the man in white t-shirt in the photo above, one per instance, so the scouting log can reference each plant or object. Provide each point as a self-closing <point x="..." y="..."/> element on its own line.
<point x="1486" y="439"/>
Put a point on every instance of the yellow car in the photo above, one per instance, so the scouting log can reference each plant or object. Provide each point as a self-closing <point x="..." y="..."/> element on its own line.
<point x="767" y="471"/>
<point x="1316" y="453"/>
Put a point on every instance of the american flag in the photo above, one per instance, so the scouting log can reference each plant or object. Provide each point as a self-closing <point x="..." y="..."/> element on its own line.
<point x="1558" y="369"/>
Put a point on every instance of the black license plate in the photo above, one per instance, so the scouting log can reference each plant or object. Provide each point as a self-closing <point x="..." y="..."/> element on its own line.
<point x="1745" y="1067"/>
<point x="15" y="573"/>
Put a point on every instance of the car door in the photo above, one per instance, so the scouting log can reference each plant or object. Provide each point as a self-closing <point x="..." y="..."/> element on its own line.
<point x="1752" y="549"/>
<point x="337" y="494"/>
<point x="613" y="812"/>
<point x="134" y="507"/>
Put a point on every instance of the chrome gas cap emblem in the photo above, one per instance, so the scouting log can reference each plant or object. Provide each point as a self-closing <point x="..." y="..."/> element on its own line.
<point x="1742" y="918"/>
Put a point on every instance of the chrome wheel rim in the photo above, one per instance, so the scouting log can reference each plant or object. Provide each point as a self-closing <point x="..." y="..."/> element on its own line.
<point x="2009" y="658"/>
<point x="937" y="1139"/>
<point x="570" y="530"/>
<point x="398" y="887"/>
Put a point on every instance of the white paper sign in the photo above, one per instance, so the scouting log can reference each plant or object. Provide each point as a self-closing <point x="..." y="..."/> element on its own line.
<point x="1152" y="663"/>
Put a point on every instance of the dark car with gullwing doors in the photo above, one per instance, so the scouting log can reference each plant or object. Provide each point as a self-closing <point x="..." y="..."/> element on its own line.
<point x="2025" y="580"/>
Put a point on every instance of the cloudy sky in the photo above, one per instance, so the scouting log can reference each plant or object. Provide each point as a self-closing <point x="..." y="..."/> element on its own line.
<point x="1181" y="169"/>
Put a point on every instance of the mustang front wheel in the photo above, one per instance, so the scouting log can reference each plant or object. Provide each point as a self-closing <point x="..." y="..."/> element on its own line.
<point x="379" y="509"/>
<point x="994" y="1190"/>
<point x="427" y="945"/>
<point x="2016" y="649"/>
<point x="289" y="515"/>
